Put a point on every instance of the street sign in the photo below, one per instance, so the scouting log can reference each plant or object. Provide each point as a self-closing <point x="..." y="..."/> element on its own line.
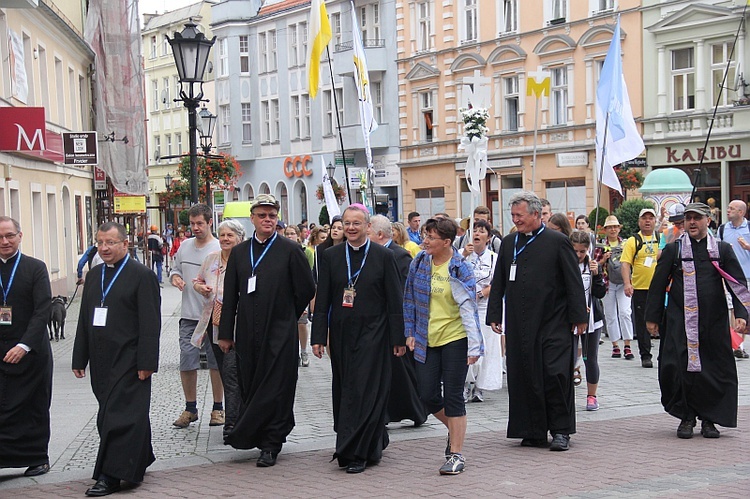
<point x="80" y="148"/>
<point x="129" y="204"/>
<point x="100" y="179"/>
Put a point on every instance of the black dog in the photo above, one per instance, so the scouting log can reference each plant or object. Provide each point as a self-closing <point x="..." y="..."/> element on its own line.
<point x="57" y="315"/>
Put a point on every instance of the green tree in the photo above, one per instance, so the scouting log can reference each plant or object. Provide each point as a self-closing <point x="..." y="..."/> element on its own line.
<point x="323" y="218"/>
<point x="603" y="214"/>
<point x="628" y="213"/>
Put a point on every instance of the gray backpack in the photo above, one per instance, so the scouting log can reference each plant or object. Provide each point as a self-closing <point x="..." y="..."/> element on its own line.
<point x="614" y="265"/>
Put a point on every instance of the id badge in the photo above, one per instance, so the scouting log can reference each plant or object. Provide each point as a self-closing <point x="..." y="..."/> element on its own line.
<point x="251" y="284"/>
<point x="512" y="272"/>
<point x="100" y="316"/>
<point x="6" y="316"/>
<point x="648" y="261"/>
<point x="349" y="295"/>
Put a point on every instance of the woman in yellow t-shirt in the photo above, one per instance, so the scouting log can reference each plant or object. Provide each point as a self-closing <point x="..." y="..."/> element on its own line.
<point x="442" y="328"/>
<point x="401" y="237"/>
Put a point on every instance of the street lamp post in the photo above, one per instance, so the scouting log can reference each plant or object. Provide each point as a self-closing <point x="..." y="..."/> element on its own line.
<point x="208" y="122"/>
<point x="191" y="49"/>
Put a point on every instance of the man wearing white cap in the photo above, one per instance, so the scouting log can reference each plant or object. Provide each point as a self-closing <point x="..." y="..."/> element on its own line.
<point x="638" y="264"/>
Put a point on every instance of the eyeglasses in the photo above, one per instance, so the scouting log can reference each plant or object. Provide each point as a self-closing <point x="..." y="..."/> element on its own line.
<point x="430" y="238"/>
<point x="110" y="244"/>
<point x="356" y="225"/>
<point x="262" y="216"/>
<point x="9" y="237"/>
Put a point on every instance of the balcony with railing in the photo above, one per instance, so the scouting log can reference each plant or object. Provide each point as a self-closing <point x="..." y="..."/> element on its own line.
<point x="375" y="53"/>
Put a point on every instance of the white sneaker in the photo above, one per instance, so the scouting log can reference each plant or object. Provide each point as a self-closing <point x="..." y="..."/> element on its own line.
<point x="467" y="393"/>
<point x="454" y="465"/>
<point x="478" y="396"/>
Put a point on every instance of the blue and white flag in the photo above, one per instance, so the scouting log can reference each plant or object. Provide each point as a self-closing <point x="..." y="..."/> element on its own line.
<point x="614" y="114"/>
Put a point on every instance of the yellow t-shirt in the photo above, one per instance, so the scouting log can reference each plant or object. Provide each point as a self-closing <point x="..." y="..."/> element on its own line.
<point x="412" y="247"/>
<point x="645" y="261"/>
<point x="445" y="323"/>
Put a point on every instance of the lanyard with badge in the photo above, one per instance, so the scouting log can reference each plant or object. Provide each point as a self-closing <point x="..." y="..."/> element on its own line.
<point x="649" y="260"/>
<point x="251" y="281"/>
<point x="100" y="313"/>
<point x="349" y="291"/>
<point x="517" y="252"/>
<point x="6" y="312"/>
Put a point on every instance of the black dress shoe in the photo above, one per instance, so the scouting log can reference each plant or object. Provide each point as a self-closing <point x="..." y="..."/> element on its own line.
<point x="708" y="430"/>
<point x="534" y="442"/>
<point x="37" y="470"/>
<point x="685" y="430"/>
<point x="647" y="363"/>
<point x="266" y="459"/>
<point x="356" y="467"/>
<point x="560" y="442"/>
<point x="103" y="487"/>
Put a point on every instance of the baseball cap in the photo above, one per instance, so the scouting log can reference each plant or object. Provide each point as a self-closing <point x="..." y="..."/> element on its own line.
<point x="676" y="212"/>
<point x="280" y="225"/>
<point x="647" y="210"/>
<point x="699" y="208"/>
<point x="612" y="221"/>
<point x="264" y="200"/>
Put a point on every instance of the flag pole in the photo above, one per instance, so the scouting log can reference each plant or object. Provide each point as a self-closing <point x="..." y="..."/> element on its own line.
<point x="536" y="133"/>
<point x="338" y="125"/>
<point x="597" y="192"/>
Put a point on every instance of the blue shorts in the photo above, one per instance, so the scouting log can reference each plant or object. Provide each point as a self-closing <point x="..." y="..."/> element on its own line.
<point x="189" y="354"/>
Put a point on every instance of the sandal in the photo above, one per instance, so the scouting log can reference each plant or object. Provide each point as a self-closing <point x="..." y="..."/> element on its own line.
<point x="577" y="376"/>
<point x="616" y="352"/>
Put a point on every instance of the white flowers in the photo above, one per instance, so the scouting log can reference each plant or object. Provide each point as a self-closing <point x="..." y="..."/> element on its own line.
<point x="475" y="120"/>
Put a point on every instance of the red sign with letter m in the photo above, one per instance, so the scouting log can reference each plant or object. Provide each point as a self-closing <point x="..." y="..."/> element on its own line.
<point x="22" y="129"/>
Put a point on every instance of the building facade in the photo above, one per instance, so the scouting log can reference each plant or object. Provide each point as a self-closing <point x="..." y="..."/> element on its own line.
<point x="451" y="48"/>
<point x="48" y="65"/>
<point x="688" y="47"/>
<point x="167" y="132"/>
<point x="267" y="120"/>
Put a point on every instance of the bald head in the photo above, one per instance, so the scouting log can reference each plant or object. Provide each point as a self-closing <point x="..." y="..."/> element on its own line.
<point x="736" y="211"/>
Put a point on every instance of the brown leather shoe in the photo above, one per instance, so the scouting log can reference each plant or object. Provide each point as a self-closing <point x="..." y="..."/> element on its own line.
<point x="217" y="418"/>
<point x="185" y="419"/>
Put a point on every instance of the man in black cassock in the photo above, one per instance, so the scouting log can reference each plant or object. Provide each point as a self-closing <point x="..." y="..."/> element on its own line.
<point x="118" y="336"/>
<point x="267" y="285"/>
<point x="699" y="382"/>
<point x="26" y="366"/>
<point x="358" y="314"/>
<point x="537" y="275"/>
<point x="404" y="401"/>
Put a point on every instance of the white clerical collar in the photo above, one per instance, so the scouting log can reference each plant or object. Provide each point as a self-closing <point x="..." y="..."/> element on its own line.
<point x="6" y="260"/>
<point x="255" y="236"/>
<point x="357" y="248"/>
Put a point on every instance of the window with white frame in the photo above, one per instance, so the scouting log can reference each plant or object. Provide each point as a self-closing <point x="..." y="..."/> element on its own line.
<point x="305" y="116"/>
<point x="246" y="122"/>
<point x="176" y="86"/>
<point x="683" y="79"/>
<point x="336" y="29"/>
<point x="224" y="125"/>
<point x="303" y="34"/>
<point x="155" y="94"/>
<point x="157" y="148"/>
<point x="275" y="120"/>
<point x="470" y="21"/>
<point x="265" y="109"/>
<point x="328" y="125"/>
<point x="424" y="22"/>
<point x="165" y="47"/>
<point x="263" y="52"/>
<point x="168" y="139"/>
<point x="719" y="57"/>
<point x="293" y="44"/>
<point x="376" y="92"/>
<point x="154" y="46"/>
<point x="339" y="101"/>
<point x="244" y="54"/>
<point x="602" y="6"/>
<point x="429" y="201"/>
<point x="296" y="118"/>
<point x="272" y="58"/>
<point x="178" y="141"/>
<point x="508" y="16"/>
<point x="369" y="24"/>
<point x="559" y="101"/>
<point x="165" y="93"/>
<point x="558" y="11"/>
<point x="426" y="125"/>
<point x="223" y="57"/>
<point x="567" y="195"/>
<point x="510" y="91"/>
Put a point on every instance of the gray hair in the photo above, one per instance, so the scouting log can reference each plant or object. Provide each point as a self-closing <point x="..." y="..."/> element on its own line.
<point x="16" y="225"/>
<point x="381" y="224"/>
<point x="234" y="226"/>
<point x="528" y="197"/>
<point x="356" y="207"/>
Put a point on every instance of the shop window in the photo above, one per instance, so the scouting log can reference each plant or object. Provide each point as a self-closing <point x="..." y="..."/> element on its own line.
<point x="509" y="185"/>
<point x="429" y="201"/>
<point x="683" y="79"/>
<point x="567" y="196"/>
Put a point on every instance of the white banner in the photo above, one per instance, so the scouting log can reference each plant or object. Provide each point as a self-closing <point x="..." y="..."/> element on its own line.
<point x="19" y="84"/>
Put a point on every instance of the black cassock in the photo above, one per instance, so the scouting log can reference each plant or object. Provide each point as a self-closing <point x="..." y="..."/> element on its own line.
<point x="712" y="393"/>
<point x="26" y="387"/>
<point x="266" y="339"/>
<point x="115" y="353"/>
<point x="541" y="306"/>
<point x="404" y="401"/>
<point x="360" y="344"/>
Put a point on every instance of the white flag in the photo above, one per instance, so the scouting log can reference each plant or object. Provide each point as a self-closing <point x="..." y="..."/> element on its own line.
<point x="623" y="140"/>
<point x="331" y="203"/>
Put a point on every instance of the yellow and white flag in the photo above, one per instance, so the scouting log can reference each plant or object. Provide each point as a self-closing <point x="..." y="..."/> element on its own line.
<point x="320" y="29"/>
<point x="362" y="79"/>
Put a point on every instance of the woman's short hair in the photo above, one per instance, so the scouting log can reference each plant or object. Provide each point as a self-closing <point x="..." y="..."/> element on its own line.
<point x="446" y="228"/>
<point x="234" y="226"/>
<point x="484" y="224"/>
<point x="561" y="221"/>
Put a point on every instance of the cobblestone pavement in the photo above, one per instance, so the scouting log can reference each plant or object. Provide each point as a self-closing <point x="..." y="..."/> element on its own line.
<point x="627" y="447"/>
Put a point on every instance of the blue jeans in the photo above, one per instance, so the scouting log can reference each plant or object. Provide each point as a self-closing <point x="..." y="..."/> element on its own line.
<point x="447" y="364"/>
<point x="158" y="266"/>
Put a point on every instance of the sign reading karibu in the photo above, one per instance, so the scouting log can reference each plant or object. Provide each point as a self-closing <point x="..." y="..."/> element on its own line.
<point x="80" y="148"/>
<point x="22" y="129"/>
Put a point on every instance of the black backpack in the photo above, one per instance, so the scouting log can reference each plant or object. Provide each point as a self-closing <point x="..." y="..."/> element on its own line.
<point x="639" y="242"/>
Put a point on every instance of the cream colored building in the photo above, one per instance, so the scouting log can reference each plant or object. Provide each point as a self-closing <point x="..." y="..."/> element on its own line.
<point x="496" y="47"/>
<point x="52" y="69"/>
<point x="167" y="127"/>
